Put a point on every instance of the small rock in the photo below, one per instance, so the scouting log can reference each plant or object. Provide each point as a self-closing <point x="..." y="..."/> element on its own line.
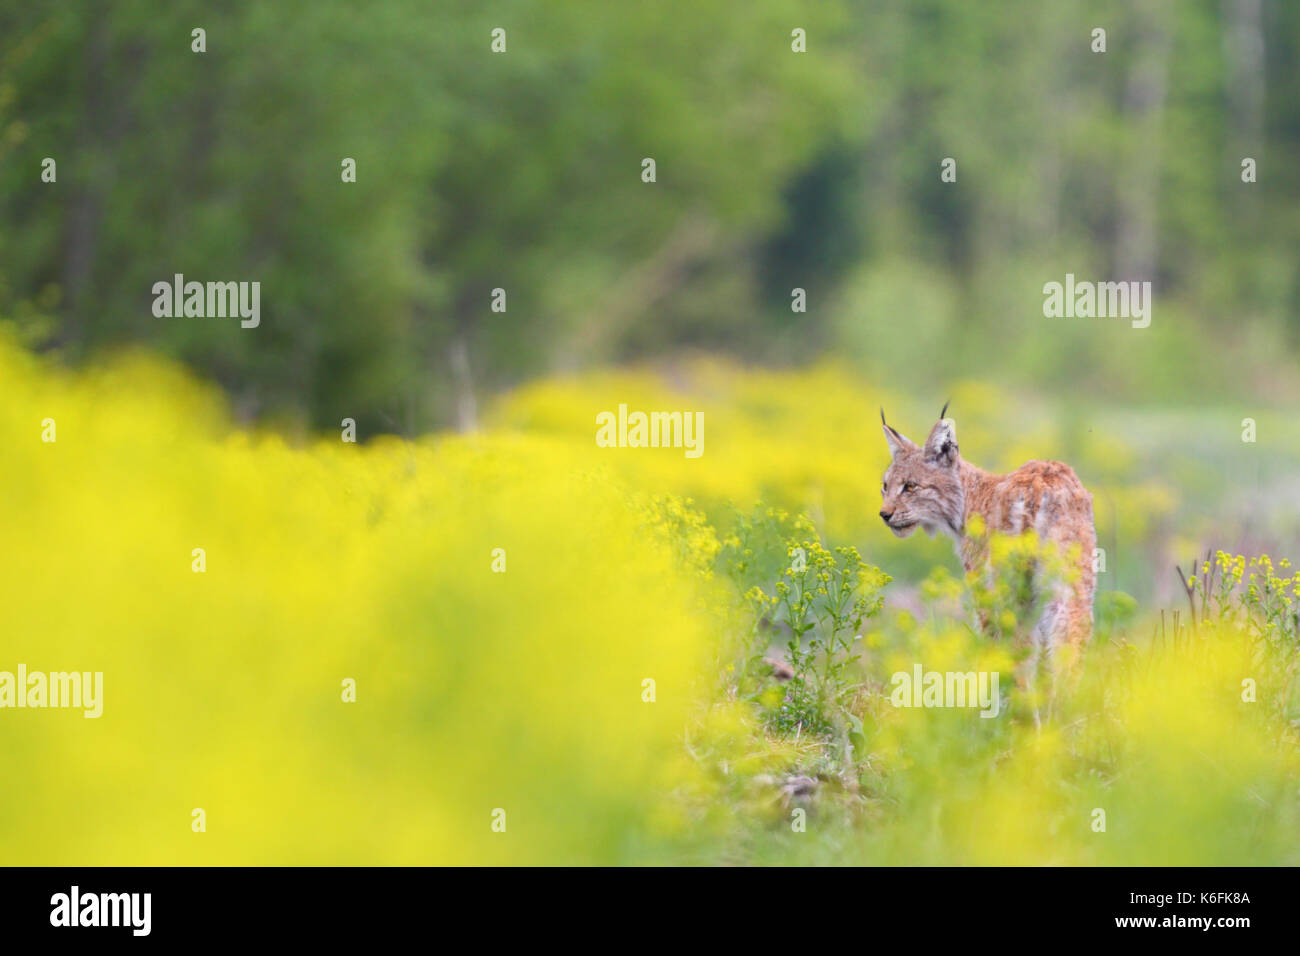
<point x="780" y="669"/>
<point x="799" y="786"/>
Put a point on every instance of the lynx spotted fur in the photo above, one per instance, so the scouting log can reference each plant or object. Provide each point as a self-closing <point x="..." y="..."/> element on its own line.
<point x="934" y="488"/>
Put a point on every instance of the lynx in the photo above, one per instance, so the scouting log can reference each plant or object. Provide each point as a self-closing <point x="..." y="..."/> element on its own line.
<point x="934" y="488"/>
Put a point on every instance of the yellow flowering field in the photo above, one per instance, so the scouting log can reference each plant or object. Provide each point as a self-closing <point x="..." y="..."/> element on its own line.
<point x="516" y="647"/>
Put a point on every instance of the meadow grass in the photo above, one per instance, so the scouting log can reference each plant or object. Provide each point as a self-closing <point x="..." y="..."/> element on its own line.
<point x="525" y="689"/>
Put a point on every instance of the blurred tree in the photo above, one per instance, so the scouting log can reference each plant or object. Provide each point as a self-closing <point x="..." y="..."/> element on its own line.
<point x="521" y="171"/>
<point x="476" y="170"/>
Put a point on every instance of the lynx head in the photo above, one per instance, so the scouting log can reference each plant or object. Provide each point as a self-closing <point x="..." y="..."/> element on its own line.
<point x="922" y="485"/>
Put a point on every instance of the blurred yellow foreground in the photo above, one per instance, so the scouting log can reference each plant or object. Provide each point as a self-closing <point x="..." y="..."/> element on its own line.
<point x="501" y="603"/>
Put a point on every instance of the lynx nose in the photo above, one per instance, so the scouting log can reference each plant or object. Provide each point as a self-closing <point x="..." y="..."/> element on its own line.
<point x="886" y="515"/>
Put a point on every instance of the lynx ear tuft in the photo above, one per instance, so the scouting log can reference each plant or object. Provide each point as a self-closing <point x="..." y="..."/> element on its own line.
<point x="943" y="414"/>
<point x="941" y="446"/>
<point x="896" y="441"/>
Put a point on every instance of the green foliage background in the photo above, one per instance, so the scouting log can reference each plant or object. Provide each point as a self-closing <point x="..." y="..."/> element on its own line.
<point x="775" y="170"/>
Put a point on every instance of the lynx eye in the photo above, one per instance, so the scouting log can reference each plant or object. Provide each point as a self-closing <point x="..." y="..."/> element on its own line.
<point x="909" y="486"/>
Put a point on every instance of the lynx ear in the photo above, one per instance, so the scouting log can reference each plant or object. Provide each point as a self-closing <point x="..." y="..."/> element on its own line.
<point x="896" y="441"/>
<point x="941" y="446"/>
